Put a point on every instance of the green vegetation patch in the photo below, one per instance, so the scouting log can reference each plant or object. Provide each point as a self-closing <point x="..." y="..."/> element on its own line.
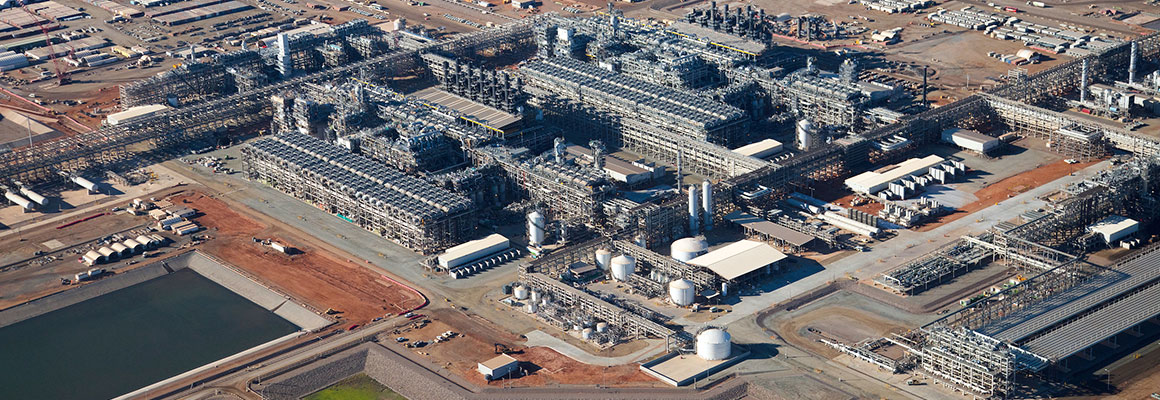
<point x="357" y="387"/>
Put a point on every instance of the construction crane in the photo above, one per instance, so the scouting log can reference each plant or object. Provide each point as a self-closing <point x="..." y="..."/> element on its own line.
<point x="62" y="77"/>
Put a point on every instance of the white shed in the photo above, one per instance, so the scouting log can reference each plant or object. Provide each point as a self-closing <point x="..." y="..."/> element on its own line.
<point x="498" y="367"/>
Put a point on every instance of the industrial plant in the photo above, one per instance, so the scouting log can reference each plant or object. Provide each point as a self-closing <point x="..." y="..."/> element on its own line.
<point x="675" y="196"/>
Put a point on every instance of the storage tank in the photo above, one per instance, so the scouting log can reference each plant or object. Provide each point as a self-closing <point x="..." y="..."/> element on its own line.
<point x="122" y="249"/>
<point x="707" y="204"/>
<point x="623" y="266"/>
<point x="694" y="209"/>
<point x="18" y="200"/>
<point x="535" y="296"/>
<point x="537" y="224"/>
<point x="532" y="308"/>
<point x="682" y="291"/>
<point x="601" y="327"/>
<point x="35" y="197"/>
<point x="85" y="183"/>
<point x="806" y="134"/>
<point x="713" y="345"/>
<point x="108" y="253"/>
<point x="603" y="259"/>
<point x="586" y="334"/>
<point x="686" y="249"/>
<point x="521" y="292"/>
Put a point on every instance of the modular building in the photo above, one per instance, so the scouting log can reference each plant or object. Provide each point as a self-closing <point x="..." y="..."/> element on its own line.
<point x="970" y="140"/>
<point x="473" y="250"/>
<point x="498" y="367"/>
<point x="762" y="149"/>
<point x="876" y="181"/>
<point x="1114" y="228"/>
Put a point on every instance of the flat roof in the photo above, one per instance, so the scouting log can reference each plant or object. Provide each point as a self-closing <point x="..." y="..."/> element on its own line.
<point x="475" y="111"/>
<point x="611" y="162"/>
<point x="739" y="258"/>
<point x="895" y="172"/>
<point x="1094" y="327"/>
<point x="969" y="135"/>
<point x="474" y="246"/>
<point x="499" y="361"/>
<point x="779" y="231"/>
<point x="1113" y="224"/>
<point x="1133" y="271"/>
<point x="754" y="149"/>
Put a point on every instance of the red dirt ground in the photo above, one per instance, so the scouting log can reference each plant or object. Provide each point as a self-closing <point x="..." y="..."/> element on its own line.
<point x="1007" y="188"/>
<point x="315" y="276"/>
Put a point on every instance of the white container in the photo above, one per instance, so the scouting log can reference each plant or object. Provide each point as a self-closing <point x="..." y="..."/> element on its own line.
<point x="532" y="308"/>
<point x="623" y="266"/>
<point x="537" y="225"/>
<point x="586" y="334"/>
<point x="603" y="259"/>
<point x="682" y="292"/>
<point x="520" y="292"/>
<point x="602" y="327"/>
<point x="713" y="345"/>
<point x="686" y="249"/>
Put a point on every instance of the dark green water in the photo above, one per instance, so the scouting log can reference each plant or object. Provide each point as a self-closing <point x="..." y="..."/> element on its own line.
<point x="120" y="342"/>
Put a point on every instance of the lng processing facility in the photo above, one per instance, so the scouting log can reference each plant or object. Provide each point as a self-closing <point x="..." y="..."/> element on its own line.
<point x="698" y="200"/>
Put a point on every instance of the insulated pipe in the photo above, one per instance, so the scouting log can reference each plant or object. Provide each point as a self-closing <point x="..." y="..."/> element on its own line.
<point x="1132" y="64"/>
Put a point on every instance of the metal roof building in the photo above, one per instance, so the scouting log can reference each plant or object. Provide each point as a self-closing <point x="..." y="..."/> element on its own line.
<point x="739" y="259"/>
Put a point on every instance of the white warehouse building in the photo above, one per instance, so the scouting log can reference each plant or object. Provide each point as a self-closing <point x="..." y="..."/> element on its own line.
<point x="872" y="182"/>
<point x="970" y="140"/>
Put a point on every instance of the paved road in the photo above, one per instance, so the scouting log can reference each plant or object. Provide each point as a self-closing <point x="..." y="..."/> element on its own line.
<point x="541" y="338"/>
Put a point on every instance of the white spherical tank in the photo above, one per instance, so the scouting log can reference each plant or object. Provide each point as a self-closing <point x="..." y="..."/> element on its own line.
<point x="623" y="266"/>
<point x="521" y="292"/>
<point x="682" y="292"/>
<point x="603" y="259"/>
<point x="713" y="344"/>
<point x="537" y="224"/>
<point x="688" y="248"/>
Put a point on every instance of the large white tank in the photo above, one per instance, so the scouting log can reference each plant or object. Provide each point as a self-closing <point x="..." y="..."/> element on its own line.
<point x="806" y="134"/>
<point x="532" y="308"/>
<point x="535" y="296"/>
<point x="537" y="224"/>
<point x="682" y="292"/>
<point x="18" y="200"/>
<point x="35" y="197"/>
<point x="586" y="333"/>
<point x="520" y="292"/>
<point x="623" y="266"/>
<point x="85" y="183"/>
<point x="694" y="209"/>
<point x="688" y="248"/>
<point x="713" y="344"/>
<point x="707" y="204"/>
<point x="603" y="259"/>
<point x="601" y="327"/>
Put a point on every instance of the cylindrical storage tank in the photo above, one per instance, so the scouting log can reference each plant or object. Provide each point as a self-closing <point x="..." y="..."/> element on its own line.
<point x="806" y="131"/>
<point x="603" y="259"/>
<point x="18" y="200"/>
<point x="602" y="327"/>
<point x="521" y="292"/>
<point x="682" y="292"/>
<point x="688" y="248"/>
<point x="535" y="296"/>
<point x="707" y="204"/>
<point x="586" y="333"/>
<point x="85" y="183"/>
<point x="623" y="266"/>
<point x="537" y="225"/>
<point x="109" y="253"/>
<point x="35" y="197"/>
<point x="694" y="209"/>
<point x="532" y="308"/>
<point x="713" y="345"/>
<point x="122" y="249"/>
